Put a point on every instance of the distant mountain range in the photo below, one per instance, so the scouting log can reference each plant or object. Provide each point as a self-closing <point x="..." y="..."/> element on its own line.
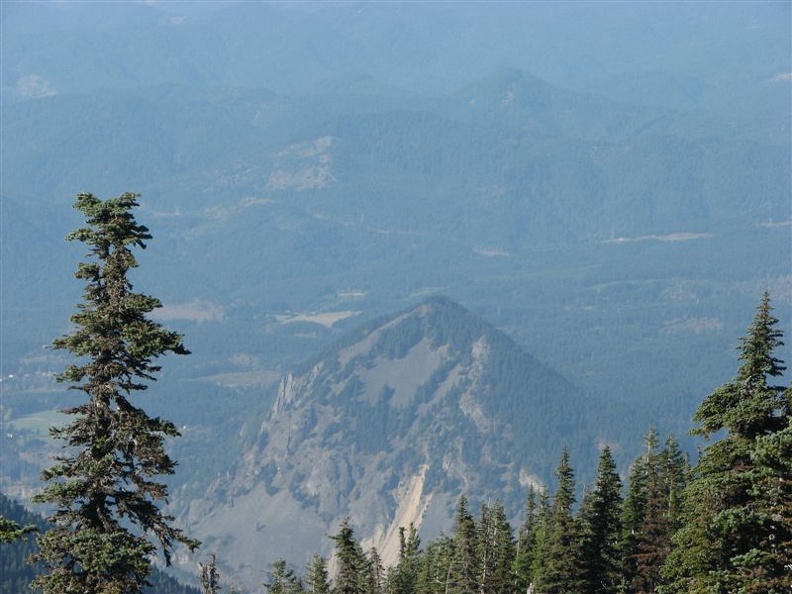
<point x="518" y="199"/>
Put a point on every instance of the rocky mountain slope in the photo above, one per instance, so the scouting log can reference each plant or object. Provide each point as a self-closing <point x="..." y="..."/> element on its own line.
<point x="390" y="427"/>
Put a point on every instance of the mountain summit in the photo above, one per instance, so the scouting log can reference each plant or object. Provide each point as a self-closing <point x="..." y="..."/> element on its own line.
<point x="390" y="427"/>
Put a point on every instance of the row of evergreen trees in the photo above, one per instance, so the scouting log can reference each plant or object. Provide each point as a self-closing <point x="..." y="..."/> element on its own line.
<point x="609" y="543"/>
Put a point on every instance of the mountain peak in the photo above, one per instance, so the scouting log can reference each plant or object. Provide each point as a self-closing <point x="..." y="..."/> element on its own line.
<point x="390" y="427"/>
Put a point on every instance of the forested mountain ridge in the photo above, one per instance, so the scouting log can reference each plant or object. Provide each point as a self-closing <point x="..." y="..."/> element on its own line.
<point x="390" y="427"/>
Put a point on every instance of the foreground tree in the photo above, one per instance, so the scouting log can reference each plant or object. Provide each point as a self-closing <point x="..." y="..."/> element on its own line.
<point x="404" y="577"/>
<point x="496" y="550"/>
<point x="374" y="578"/>
<point x="106" y="499"/>
<point x="437" y="567"/>
<point x="601" y="530"/>
<point x="351" y="576"/>
<point x="558" y="569"/>
<point x="317" y="580"/>
<point x="283" y="580"/>
<point x="466" y="560"/>
<point x="651" y="513"/>
<point x="736" y="530"/>
<point x="525" y="547"/>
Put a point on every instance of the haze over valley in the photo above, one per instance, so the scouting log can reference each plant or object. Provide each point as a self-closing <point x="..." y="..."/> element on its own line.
<point x="416" y="249"/>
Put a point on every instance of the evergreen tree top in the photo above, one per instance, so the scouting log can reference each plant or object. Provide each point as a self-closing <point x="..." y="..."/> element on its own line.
<point x="749" y="405"/>
<point x="109" y="222"/>
<point x="756" y="350"/>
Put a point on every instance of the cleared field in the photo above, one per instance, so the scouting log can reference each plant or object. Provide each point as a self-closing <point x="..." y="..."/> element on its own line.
<point x="324" y="319"/>
<point x="39" y="422"/>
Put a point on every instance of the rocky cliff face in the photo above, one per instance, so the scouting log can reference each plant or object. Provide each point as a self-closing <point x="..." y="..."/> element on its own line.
<point x="389" y="428"/>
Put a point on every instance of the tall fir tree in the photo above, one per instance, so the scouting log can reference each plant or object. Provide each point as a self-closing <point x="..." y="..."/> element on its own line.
<point x="653" y="538"/>
<point x="436" y="567"/>
<point x="495" y="550"/>
<point x="404" y="579"/>
<point x="676" y="475"/>
<point x="485" y="550"/>
<point x="559" y="569"/>
<point x="374" y="573"/>
<point x="352" y="573"/>
<point x="651" y="513"/>
<point x="103" y="486"/>
<point x="736" y="536"/>
<point x="634" y="510"/>
<point x="525" y="547"/>
<point x="496" y="538"/>
<point x="283" y="580"/>
<point x="317" y="580"/>
<point x="773" y="457"/>
<point x="466" y="559"/>
<point x="601" y="530"/>
<point x="542" y="540"/>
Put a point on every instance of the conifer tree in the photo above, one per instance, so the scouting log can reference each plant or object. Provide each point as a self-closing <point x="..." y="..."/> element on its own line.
<point x="436" y="573"/>
<point x="773" y="457"/>
<point x="485" y="550"/>
<point x="283" y="580"/>
<point x="601" y="530"/>
<point x="634" y="510"/>
<point x="736" y="534"/>
<point x="653" y="539"/>
<point x="466" y="561"/>
<point x="651" y="512"/>
<point x="525" y="547"/>
<point x="542" y="542"/>
<point x="317" y="580"/>
<point x="676" y="474"/>
<point x="405" y="575"/>
<point x="351" y="577"/>
<point x="374" y="577"/>
<point x="559" y="570"/>
<point x="496" y="542"/>
<point x="103" y="486"/>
